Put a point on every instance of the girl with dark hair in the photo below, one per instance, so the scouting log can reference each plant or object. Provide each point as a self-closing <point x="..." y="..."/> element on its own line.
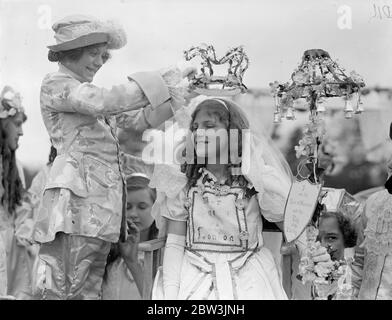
<point x="337" y="232"/>
<point x="12" y="219"/>
<point x="212" y="213"/>
<point x="123" y="279"/>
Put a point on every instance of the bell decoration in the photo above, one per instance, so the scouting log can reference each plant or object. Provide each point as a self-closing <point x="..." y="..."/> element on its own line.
<point x="359" y="108"/>
<point x="320" y="107"/>
<point x="290" y="113"/>
<point x="348" y="109"/>
<point x="277" y="117"/>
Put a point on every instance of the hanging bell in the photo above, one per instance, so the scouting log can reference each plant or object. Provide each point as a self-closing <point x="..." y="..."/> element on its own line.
<point x="348" y="109"/>
<point x="320" y="107"/>
<point x="359" y="108"/>
<point x="348" y="106"/>
<point x="277" y="117"/>
<point x="290" y="113"/>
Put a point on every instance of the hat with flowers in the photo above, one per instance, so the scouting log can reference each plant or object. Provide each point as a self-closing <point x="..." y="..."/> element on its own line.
<point x="10" y="102"/>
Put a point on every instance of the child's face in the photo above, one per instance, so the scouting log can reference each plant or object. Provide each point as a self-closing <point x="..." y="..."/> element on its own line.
<point x="210" y="134"/>
<point x="139" y="204"/>
<point x="330" y="235"/>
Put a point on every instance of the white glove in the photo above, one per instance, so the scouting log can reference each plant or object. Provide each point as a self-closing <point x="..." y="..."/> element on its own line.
<point x="187" y="68"/>
<point x="172" y="263"/>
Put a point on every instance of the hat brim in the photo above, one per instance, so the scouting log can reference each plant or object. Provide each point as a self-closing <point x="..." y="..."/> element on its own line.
<point x="83" y="41"/>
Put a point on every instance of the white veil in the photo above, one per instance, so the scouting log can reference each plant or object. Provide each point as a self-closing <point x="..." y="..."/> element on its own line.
<point x="262" y="164"/>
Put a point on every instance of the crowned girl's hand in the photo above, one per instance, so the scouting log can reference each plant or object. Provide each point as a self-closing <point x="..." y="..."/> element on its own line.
<point x="129" y="248"/>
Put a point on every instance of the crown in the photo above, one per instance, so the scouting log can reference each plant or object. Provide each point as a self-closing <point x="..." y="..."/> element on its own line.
<point x="209" y="84"/>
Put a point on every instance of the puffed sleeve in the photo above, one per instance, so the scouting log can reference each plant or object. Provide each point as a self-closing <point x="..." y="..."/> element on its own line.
<point x="169" y="208"/>
<point x="174" y="208"/>
<point x="63" y="93"/>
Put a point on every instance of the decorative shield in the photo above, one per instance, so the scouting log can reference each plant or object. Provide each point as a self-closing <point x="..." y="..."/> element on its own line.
<point x="300" y="206"/>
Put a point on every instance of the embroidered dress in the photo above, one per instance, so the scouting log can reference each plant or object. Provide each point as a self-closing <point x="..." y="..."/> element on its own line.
<point x="224" y="255"/>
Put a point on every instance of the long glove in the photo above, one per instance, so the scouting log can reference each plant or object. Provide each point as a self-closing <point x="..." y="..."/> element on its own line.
<point x="172" y="263"/>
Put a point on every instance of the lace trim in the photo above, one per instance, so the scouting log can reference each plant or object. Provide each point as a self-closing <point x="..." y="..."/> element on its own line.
<point x="378" y="233"/>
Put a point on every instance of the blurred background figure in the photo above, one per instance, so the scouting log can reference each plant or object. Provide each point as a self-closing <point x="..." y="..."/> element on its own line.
<point x="15" y="224"/>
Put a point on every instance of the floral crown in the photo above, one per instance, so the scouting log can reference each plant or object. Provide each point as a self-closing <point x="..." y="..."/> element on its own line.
<point x="10" y="103"/>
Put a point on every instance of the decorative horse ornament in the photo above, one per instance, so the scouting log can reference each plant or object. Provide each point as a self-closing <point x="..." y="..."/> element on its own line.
<point x="228" y="85"/>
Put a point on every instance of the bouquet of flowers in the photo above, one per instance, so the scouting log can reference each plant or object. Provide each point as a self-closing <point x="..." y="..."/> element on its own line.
<point x="328" y="278"/>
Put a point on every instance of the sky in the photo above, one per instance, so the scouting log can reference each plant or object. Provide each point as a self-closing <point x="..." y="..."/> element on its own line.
<point x="274" y="35"/>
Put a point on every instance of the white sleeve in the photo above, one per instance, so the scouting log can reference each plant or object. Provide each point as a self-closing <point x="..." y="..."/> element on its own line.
<point x="172" y="263"/>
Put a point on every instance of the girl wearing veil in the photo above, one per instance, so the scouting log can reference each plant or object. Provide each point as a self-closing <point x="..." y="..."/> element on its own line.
<point x="212" y="210"/>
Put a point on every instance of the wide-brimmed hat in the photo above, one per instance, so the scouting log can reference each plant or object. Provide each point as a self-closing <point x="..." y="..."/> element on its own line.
<point x="78" y="31"/>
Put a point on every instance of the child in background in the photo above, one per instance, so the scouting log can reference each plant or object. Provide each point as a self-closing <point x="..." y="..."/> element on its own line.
<point x="123" y="278"/>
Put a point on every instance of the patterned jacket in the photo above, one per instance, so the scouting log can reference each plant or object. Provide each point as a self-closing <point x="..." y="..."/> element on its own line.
<point x="84" y="193"/>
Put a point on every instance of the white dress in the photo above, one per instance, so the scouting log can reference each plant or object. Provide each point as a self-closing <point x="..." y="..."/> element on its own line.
<point x="224" y="256"/>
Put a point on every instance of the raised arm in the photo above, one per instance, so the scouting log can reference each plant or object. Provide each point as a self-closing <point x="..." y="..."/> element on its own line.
<point x="63" y="93"/>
